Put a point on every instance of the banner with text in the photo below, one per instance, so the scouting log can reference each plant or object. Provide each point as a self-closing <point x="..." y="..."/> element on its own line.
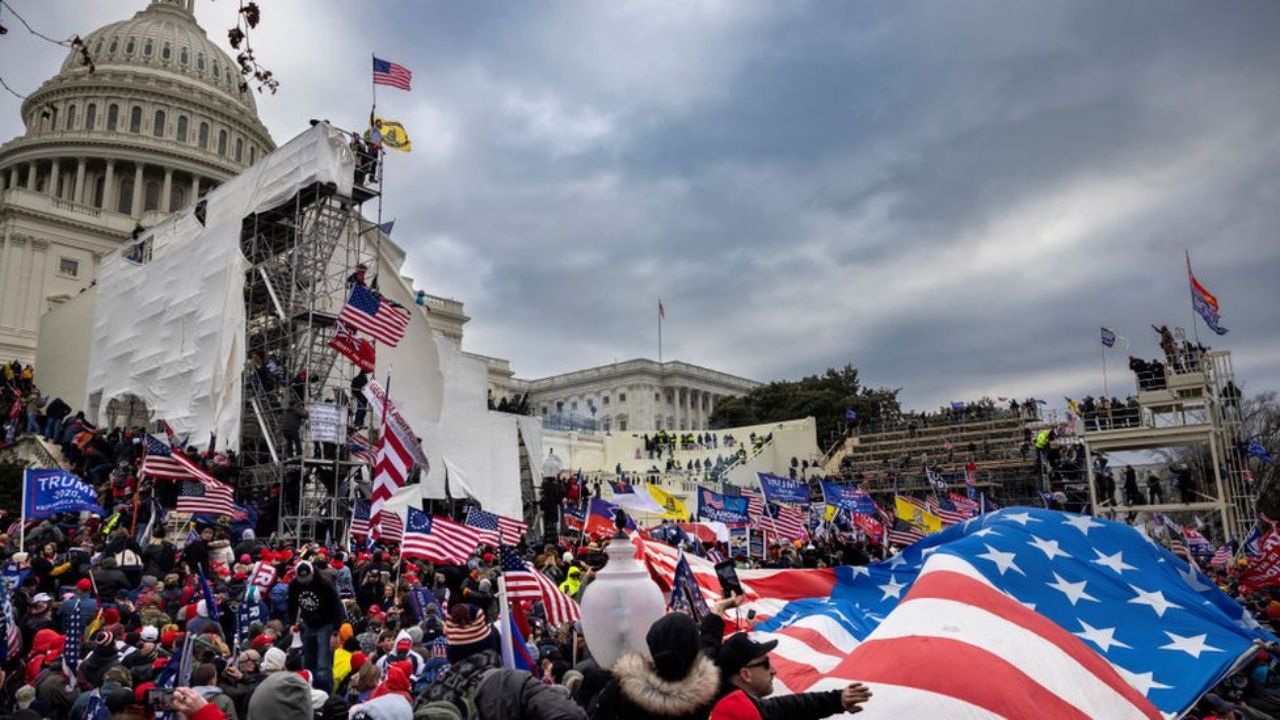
<point x="717" y="507"/>
<point x="49" y="492"/>
<point x="783" y="490"/>
<point x="847" y="497"/>
<point x="394" y="420"/>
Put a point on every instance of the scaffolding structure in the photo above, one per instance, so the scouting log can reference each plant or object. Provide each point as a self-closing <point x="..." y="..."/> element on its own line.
<point x="302" y="254"/>
<point x="1192" y="402"/>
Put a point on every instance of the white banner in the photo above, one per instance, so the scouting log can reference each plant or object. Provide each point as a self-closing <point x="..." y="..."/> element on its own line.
<point x="328" y="423"/>
<point x="396" y="422"/>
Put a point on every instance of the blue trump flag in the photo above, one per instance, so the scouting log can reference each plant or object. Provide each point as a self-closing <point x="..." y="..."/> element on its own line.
<point x="847" y="497"/>
<point x="720" y="508"/>
<point x="49" y="492"/>
<point x="686" y="596"/>
<point x="1165" y="627"/>
<point x="778" y="489"/>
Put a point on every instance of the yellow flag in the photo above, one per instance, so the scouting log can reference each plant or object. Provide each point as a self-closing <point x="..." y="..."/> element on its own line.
<point x="831" y="513"/>
<point x="672" y="506"/>
<point x="926" y="521"/>
<point x="394" y="136"/>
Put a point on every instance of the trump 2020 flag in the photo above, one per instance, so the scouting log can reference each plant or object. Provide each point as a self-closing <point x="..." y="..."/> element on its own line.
<point x="49" y="492"/>
<point x="1166" y="629"/>
<point x="777" y="489"/>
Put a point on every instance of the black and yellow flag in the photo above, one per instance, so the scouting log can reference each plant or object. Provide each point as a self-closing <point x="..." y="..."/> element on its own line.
<point x="394" y="136"/>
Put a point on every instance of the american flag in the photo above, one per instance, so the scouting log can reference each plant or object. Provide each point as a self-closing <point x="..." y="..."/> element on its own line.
<point x="390" y="527"/>
<point x="360" y="447"/>
<point x="786" y="521"/>
<point x="211" y="498"/>
<point x="495" y="528"/>
<point x="947" y="510"/>
<point x="899" y="532"/>
<point x="1221" y="557"/>
<point x="389" y="73"/>
<point x="360" y="519"/>
<point x="391" y="468"/>
<point x="438" y="539"/>
<point x="575" y="519"/>
<point x="369" y="313"/>
<point x="966" y="505"/>
<point x="162" y="461"/>
<point x="525" y="583"/>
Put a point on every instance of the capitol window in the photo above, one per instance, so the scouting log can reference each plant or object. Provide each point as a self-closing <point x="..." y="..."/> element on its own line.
<point x="217" y="70"/>
<point x="204" y="136"/>
<point x="604" y="400"/>
<point x="222" y="143"/>
<point x="166" y="52"/>
<point x="183" y="57"/>
<point x="622" y="397"/>
<point x="135" y="120"/>
<point x="253" y="154"/>
<point x="68" y="268"/>
<point x="128" y="48"/>
<point x="113" y="116"/>
<point x="239" y="149"/>
<point x="182" y="128"/>
<point x="148" y="49"/>
<point x="158" y="128"/>
<point x="90" y="116"/>
<point x="200" y="62"/>
<point x="71" y="117"/>
<point x="115" y="45"/>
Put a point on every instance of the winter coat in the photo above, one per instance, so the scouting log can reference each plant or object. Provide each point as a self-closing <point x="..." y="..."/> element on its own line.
<point x="458" y="686"/>
<point x="159" y="558"/>
<point x="517" y="694"/>
<point x="801" y="706"/>
<point x="636" y="692"/>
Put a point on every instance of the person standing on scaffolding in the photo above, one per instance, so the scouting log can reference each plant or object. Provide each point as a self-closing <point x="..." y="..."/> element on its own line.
<point x="373" y="145"/>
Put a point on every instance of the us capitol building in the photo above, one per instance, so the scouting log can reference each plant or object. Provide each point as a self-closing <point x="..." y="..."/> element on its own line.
<point x="159" y="121"/>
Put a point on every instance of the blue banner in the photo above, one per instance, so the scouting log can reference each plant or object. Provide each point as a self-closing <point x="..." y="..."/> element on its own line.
<point x="49" y="492"/>
<point x="720" y="508"/>
<point x="247" y="614"/>
<point x="783" y="490"/>
<point x="420" y="597"/>
<point x="686" y="596"/>
<point x="847" y="497"/>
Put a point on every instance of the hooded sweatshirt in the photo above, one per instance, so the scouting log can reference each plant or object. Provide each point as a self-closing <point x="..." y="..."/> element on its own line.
<point x="282" y="696"/>
<point x="316" y="602"/>
<point x="396" y="655"/>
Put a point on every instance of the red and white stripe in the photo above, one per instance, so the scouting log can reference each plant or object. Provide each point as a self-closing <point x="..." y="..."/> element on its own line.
<point x="390" y="528"/>
<point x="948" y="517"/>
<point x="529" y="584"/>
<point x="789" y="524"/>
<point x="392" y="464"/>
<point x="957" y="647"/>
<point x="1221" y="557"/>
<point x="448" y="542"/>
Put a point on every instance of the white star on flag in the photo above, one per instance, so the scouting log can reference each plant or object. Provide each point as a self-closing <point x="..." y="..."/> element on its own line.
<point x="1075" y="592"/>
<point x="1048" y="547"/>
<point x="1192" y="645"/>
<point x="1104" y="638"/>
<point x="1115" y="562"/>
<point x="1155" y="599"/>
<point x="1003" y="560"/>
<point x="1020" y="518"/>
<point x="1082" y="523"/>
<point x="893" y="588"/>
<point x="1142" y="682"/>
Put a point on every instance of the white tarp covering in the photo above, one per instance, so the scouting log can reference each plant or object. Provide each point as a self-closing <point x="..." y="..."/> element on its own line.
<point x="172" y="331"/>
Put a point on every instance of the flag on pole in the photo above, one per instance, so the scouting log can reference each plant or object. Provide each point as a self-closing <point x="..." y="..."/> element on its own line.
<point x="1221" y="557"/>
<point x="662" y="312"/>
<point x="391" y="467"/>
<point x="437" y="539"/>
<point x="686" y="596"/>
<point x="492" y="525"/>
<point x="162" y="461"/>
<point x="206" y="498"/>
<point x="525" y="583"/>
<point x="360" y="519"/>
<point x="1108" y="337"/>
<point x="1204" y="302"/>
<point x="211" y="605"/>
<point x="389" y="73"/>
<point x="394" y="135"/>
<point x="386" y="227"/>
<point x="354" y="348"/>
<point x="373" y="315"/>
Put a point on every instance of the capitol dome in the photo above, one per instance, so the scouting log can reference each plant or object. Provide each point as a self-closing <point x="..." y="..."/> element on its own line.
<point x="158" y="121"/>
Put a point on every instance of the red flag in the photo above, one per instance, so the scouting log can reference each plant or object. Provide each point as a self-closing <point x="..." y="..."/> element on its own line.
<point x="1265" y="569"/>
<point x="356" y="349"/>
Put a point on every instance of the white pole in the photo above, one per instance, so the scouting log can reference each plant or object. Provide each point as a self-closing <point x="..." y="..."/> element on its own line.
<point x="504" y="620"/>
<point x="22" y="526"/>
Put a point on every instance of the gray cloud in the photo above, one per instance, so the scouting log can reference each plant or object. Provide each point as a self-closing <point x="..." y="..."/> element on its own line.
<point x="952" y="196"/>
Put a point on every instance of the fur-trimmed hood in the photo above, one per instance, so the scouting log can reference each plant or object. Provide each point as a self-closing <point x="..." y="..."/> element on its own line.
<point x="640" y="685"/>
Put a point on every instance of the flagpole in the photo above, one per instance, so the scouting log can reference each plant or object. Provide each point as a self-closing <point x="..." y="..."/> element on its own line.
<point x="504" y="619"/>
<point x="1103" y="353"/>
<point x="660" y="313"/>
<point x="22" y="522"/>
<point x="1195" y="328"/>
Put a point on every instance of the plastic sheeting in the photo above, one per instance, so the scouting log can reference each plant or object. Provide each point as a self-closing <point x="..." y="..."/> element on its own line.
<point x="171" y="331"/>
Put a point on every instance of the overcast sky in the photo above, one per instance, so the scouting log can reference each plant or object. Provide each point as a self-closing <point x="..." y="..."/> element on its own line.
<point x="951" y="196"/>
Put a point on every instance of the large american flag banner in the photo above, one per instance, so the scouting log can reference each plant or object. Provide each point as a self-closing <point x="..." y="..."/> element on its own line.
<point x="526" y="583"/>
<point x="369" y="313"/>
<point x="1168" y="631"/>
<point x="360" y="519"/>
<point x="201" y="498"/>
<point x="437" y="539"/>
<point x="957" y="647"/>
<point x="492" y="525"/>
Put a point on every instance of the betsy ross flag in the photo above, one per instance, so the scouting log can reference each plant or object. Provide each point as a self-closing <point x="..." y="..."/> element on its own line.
<point x="201" y="498"/>
<point x="373" y="315"/>
<point x="389" y="73"/>
<point x="492" y="525"/>
<point x="1204" y="302"/>
<point x="437" y="539"/>
<point x="525" y="583"/>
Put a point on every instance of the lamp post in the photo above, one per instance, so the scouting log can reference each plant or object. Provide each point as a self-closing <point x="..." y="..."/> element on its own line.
<point x="620" y="605"/>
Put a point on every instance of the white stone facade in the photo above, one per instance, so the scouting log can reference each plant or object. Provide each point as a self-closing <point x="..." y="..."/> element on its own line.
<point x="636" y="395"/>
<point x="160" y="120"/>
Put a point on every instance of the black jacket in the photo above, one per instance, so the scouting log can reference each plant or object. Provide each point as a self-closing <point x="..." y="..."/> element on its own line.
<point x="516" y="694"/>
<point x="159" y="559"/>
<point x="317" y="602"/>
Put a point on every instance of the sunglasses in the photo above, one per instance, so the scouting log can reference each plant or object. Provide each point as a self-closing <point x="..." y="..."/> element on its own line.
<point x="762" y="664"/>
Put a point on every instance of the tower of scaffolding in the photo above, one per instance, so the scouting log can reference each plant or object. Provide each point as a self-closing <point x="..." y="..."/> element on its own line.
<point x="1192" y="402"/>
<point x="303" y="253"/>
